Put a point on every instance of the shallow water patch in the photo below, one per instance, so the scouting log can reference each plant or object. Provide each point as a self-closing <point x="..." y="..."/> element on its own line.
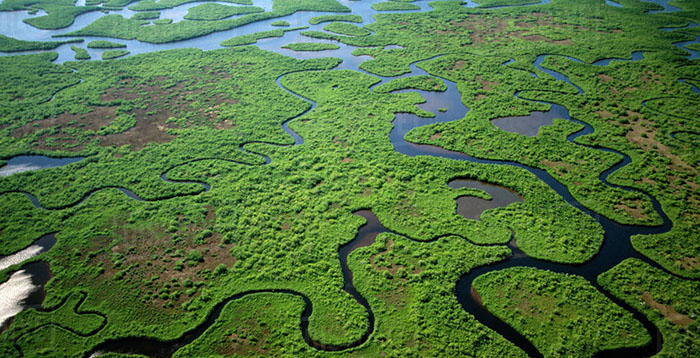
<point x="24" y="163"/>
<point x="471" y="207"/>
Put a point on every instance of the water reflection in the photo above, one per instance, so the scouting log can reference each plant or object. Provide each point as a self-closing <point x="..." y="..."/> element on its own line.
<point x="471" y="207"/>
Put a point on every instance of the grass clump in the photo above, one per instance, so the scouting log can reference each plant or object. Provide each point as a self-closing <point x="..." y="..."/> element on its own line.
<point x="80" y="53"/>
<point x="9" y="44"/>
<point x="394" y="6"/>
<point x="214" y="11"/>
<point x="346" y="29"/>
<point x="105" y="44"/>
<point x="328" y="18"/>
<point x="112" y="54"/>
<point x="146" y="15"/>
<point x="254" y="37"/>
<point x="310" y="46"/>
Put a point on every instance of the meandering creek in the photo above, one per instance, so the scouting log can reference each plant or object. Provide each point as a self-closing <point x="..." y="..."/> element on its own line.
<point x="616" y="246"/>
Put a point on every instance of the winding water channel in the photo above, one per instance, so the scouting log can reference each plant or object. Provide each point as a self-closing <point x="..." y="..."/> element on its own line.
<point x="615" y="248"/>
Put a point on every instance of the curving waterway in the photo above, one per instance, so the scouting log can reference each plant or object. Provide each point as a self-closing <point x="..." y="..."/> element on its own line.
<point x="615" y="248"/>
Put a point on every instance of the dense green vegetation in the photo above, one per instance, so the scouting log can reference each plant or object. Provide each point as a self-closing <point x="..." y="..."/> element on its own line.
<point x="118" y="27"/>
<point x="562" y="315"/>
<point x="346" y="29"/>
<point x="80" y="53"/>
<point x="310" y="46"/>
<point x="394" y="6"/>
<point x="327" y="18"/>
<point x="146" y="15"/>
<point x="280" y="23"/>
<point x="408" y="284"/>
<point x="423" y="83"/>
<point x="57" y="16"/>
<point x="671" y="303"/>
<point x="273" y="215"/>
<point x="215" y="11"/>
<point x="111" y="54"/>
<point x="254" y="37"/>
<point x="8" y="44"/>
<point x="389" y="183"/>
<point x="487" y="89"/>
<point x="411" y="284"/>
<point x="105" y="44"/>
<point x="255" y="325"/>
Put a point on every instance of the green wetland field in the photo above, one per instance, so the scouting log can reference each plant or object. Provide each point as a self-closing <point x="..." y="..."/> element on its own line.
<point x="349" y="178"/>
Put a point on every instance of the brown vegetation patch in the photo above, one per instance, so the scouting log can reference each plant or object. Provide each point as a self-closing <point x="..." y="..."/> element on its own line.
<point x="634" y="209"/>
<point x="486" y="85"/>
<point x="459" y="64"/>
<point x="149" y="128"/>
<point x="533" y="305"/>
<point x="649" y="77"/>
<point x="225" y="124"/>
<point x="394" y="267"/>
<point x="604" y="114"/>
<point x="643" y="133"/>
<point x="605" y="78"/>
<point x="346" y="160"/>
<point x="488" y="30"/>
<point x="559" y="166"/>
<point x="482" y="29"/>
<point x="154" y="103"/>
<point x="479" y="97"/>
<point x="99" y="117"/>
<point x="340" y="142"/>
<point x="667" y="311"/>
<point x="160" y="104"/>
<point x="690" y="263"/>
<point x="646" y="181"/>
<point x="394" y="298"/>
<point x="435" y="136"/>
<point x="151" y="254"/>
<point x="247" y="340"/>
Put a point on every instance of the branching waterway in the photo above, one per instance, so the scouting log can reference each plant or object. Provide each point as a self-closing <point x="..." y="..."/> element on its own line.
<point x="615" y="248"/>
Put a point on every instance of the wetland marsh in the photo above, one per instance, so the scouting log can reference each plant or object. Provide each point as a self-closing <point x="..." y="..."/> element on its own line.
<point x="311" y="178"/>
